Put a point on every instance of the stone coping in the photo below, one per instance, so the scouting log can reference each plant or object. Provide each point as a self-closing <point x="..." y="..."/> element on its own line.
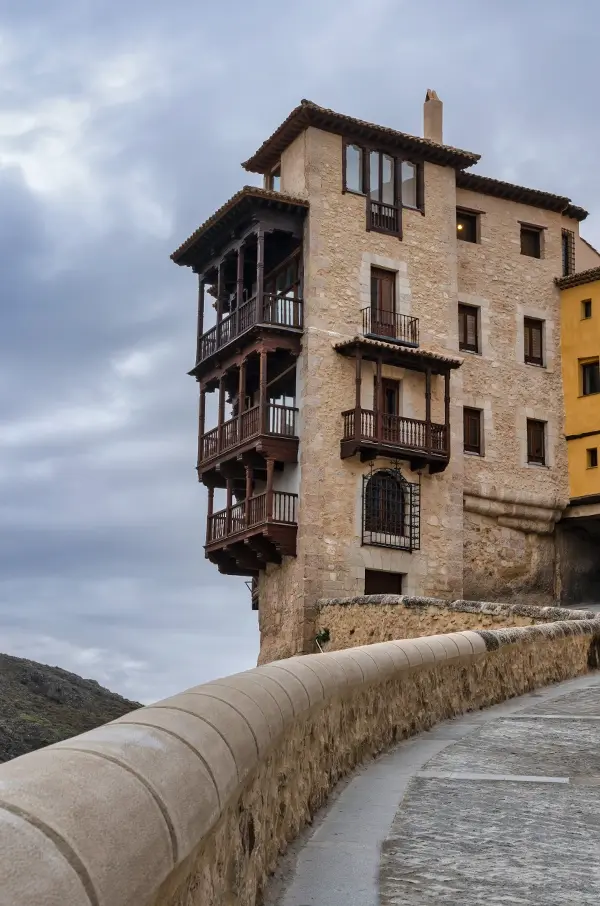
<point x="192" y="798"/>
<point x="491" y="608"/>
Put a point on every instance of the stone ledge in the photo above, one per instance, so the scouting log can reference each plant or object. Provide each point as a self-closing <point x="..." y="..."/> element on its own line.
<point x="544" y="614"/>
<point x="192" y="800"/>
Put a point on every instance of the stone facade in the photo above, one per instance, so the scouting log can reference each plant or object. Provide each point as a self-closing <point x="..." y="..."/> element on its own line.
<point x="487" y="522"/>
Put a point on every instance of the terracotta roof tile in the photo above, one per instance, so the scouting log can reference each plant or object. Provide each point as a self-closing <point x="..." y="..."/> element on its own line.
<point x="238" y="205"/>
<point x="589" y="276"/>
<point x="496" y="187"/>
<point x="308" y="114"/>
<point x="399" y="350"/>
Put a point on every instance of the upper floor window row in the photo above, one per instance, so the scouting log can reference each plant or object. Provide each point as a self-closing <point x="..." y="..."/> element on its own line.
<point x="384" y="178"/>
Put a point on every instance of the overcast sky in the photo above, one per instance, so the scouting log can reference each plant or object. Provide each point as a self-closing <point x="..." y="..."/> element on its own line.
<point x="122" y="125"/>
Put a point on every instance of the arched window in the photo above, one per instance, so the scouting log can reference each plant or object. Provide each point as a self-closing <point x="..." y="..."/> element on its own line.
<point x="385" y="504"/>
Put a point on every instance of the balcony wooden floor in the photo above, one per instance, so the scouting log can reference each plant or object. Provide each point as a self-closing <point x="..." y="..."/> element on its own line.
<point x="395" y="437"/>
<point x="243" y="538"/>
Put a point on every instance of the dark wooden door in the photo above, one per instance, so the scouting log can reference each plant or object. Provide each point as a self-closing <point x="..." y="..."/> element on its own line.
<point x="378" y="582"/>
<point x="383" y="302"/>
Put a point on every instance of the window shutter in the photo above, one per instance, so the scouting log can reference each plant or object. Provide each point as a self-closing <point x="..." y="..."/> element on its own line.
<point x="536" y="342"/>
<point x="471" y="329"/>
<point x="462" y="331"/>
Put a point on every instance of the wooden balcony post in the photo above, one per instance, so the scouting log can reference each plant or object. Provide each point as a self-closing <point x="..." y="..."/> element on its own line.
<point x="239" y="286"/>
<point x="249" y="479"/>
<point x="221" y="416"/>
<point x="270" y="470"/>
<point x="201" y="422"/>
<point x="220" y="291"/>
<point x="209" y="512"/>
<point x="378" y="401"/>
<point x="428" y="409"/>
<point x="358" y="407"/>
<point x="241" y="398"/>
<point x="260" y="272"/>
<point x="229" y="504"/>
<point x="262" y="391"/>
<point x="447" y="411"/>
<point x="200" y="316"/>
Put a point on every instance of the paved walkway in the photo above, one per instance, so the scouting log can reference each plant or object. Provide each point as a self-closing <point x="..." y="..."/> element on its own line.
<point x="500" y="806"/>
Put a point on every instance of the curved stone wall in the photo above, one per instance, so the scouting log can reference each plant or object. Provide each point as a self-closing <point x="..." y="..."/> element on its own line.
<point x="190" y="801"/>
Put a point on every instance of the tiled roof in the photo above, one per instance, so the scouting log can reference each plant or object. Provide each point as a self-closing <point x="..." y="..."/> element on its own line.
<point x="398" y="350"/>
<point x="240" y="205"/>
<point x="488" y="186"/>
<point x="308" y="114"/>
<point x="579" y="279"/>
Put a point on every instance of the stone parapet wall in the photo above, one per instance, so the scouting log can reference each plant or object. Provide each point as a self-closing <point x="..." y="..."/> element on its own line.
<point x="368" y="619"/>
<point x="190" y="801"/>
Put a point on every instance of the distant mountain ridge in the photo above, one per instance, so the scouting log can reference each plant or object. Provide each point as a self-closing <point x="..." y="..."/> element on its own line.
<point x="40" y="705"/>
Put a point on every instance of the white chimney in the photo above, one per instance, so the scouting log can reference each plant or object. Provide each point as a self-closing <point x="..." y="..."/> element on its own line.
<point x="433" y="112"/>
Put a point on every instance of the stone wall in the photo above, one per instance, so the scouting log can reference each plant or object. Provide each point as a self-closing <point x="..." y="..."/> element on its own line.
<point x="189" y="802"/>
<point x="368" y="619"/>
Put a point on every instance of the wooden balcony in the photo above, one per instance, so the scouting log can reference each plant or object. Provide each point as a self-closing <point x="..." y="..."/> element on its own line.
<point x="271" y="432"/>
<point x="376" y="434"/>
<point x="391" y="327"/>
<point x="279" y="312"/>
<point x="383" y="218"/>
<point x="244" y="537"/>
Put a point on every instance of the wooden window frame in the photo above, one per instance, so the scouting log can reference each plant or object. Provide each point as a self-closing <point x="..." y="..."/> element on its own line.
<point x="533" y="425"/>
<point x="270" y="179"/>
<point x="366" y="150"/>
<point x="475" y="218"/>
<point x="472" y="415"/>
<point x="586" y="309"/>
<point x="529" y="326"/>
<point x="463" y="345"/>
<point x="586" y="363"/>
<point x="532" y="230"/>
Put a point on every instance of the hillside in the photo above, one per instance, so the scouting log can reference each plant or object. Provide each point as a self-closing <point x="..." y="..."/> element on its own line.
<point x="40" y="705"/>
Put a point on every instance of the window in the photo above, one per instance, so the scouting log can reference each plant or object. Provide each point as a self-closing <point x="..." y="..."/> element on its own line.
<point x="592" y="458"/>
<point x="586" y="309"/>
<point x="378" y="582"/>
<point x="568" y="253"/>
<point x="468" y="328"/>
<point x="531" y="241"/>
<point x="354" y="172"/>
<point x="590" y="378"/>
<point x="391" y="510"/>
<point x="466" y="225"/>
<point x="472" y="436"/>
<point x="536" y="441"/>
<point x="390" y="392"/>
<point x="273" y="180"/>
<point x="383" y="302"/>
<point x="533" y="331"/>
<point x="409" y="184"/>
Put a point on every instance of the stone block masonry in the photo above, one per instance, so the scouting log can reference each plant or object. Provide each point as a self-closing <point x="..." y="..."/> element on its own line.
<point x="190" y="801"/>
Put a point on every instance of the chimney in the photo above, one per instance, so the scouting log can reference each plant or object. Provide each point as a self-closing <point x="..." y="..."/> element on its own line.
<point x="433" y="111"/>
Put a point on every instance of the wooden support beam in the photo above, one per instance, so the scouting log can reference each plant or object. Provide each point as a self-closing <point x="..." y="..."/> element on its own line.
<point x="242" y="388"/>
<point x="447" y="410"/>
<point x="358" y="407"/>
<point x="262" y="391"/>
<point x="221" y="413"/>
<point x="378" y="400"/>
<point x="428" y="409"/>
<point x="260" y="270"/>
<point x="220" y="294"/>
<point x="229" y="505"/>
<point x="201" y="421"/>
<point x="200" y="317"/>
<point x="239" y="286"/>
<point x="270" y="470"/>
<point x="249" y="479"/>
<point x="209" y="513"/>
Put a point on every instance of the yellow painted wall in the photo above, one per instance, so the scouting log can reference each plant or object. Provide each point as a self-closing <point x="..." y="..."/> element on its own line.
<point x="580" y="340"/>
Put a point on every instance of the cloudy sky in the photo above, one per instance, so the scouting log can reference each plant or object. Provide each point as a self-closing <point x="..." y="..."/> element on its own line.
<point x="122" y="125"/>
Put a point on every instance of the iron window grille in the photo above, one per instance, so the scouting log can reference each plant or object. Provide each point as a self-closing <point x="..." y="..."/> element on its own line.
<point x="568" y="252"/>
<point x="391" y="510"/>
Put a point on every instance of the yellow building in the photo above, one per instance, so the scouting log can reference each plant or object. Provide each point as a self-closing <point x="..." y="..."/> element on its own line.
<point x="581" y="381"/>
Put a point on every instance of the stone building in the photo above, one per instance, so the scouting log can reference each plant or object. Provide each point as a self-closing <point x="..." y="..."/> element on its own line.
<point x="381" y="372"/>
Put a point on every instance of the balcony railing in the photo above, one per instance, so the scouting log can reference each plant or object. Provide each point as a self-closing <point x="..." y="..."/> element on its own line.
<point x="391" y="325"/>
<point x="277" y="311"/>
<point x="364" y="425"/>
<point x="280" y="421"/>
<point x="278" y="508"/>
<point x="385" y="218"/>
